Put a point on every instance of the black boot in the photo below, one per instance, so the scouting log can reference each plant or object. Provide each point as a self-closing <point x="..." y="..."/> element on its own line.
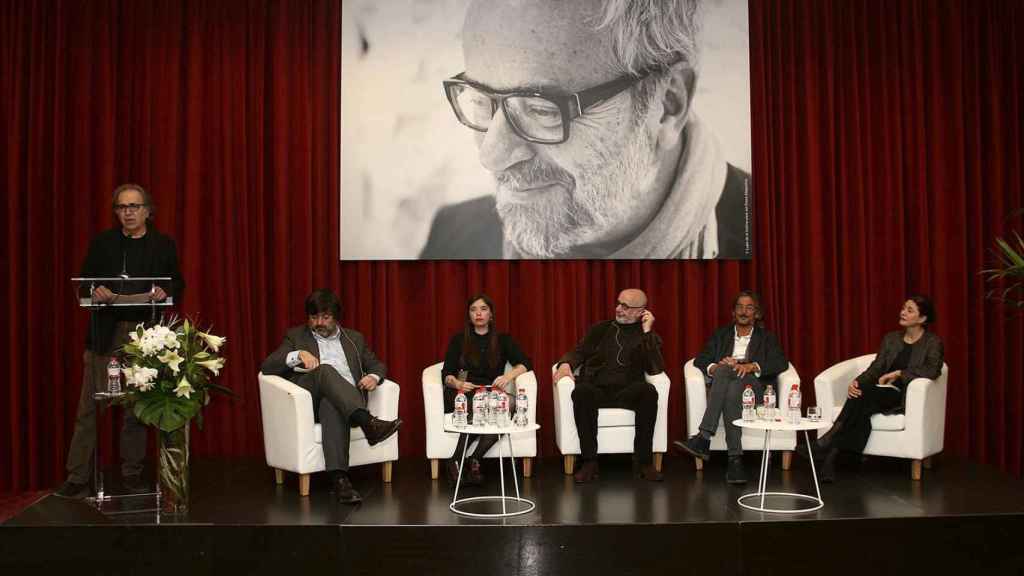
<point x="828" y="466"/>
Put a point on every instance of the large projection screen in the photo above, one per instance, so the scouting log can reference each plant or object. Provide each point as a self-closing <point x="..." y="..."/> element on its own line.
<point x="665" y="180"/>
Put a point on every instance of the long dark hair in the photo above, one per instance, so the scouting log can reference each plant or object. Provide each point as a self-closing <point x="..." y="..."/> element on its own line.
<point x="470" y="351"/>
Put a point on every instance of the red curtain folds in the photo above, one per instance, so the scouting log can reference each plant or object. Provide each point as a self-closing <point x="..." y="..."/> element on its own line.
<point x="887" y="154"/>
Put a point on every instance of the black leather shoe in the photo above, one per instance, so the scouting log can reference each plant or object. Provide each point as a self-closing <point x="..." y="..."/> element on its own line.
<point x="346" y="493"/>
<point x="133" y="484"/>
<point x="378" y="430"/>
<point x="736" y="473"/>
<point x="72" y="490"/>
<point x="587" y="472"/>
<point x="827" y="472"/>
<point x="695" y="446"/>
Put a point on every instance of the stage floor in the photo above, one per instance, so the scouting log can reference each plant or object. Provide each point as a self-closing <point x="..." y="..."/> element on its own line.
<point x="960" y="514"/>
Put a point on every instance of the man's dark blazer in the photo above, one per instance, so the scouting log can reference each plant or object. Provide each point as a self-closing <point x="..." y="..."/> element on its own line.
<point x="925" y="360"/>
<point x="472" y="230"/>
<point x="764" y="348"/>
<point x="361" y="360"/>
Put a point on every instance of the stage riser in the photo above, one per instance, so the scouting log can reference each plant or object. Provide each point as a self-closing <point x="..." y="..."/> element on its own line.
<point x="877" y="546"/>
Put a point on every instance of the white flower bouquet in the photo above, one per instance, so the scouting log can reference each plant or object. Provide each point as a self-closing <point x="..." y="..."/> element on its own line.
<point x="168" y="370"/>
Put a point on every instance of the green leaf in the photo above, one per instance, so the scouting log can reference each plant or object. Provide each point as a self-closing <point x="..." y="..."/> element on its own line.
<point x="166" y="412"/>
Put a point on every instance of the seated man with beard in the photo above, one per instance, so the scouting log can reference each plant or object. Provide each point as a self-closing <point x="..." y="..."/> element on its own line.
<point x="583" y="113"/>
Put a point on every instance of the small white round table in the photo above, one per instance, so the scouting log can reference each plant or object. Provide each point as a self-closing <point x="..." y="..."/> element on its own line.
<point x="770" y="426"/>
<point x="522" y="505"/>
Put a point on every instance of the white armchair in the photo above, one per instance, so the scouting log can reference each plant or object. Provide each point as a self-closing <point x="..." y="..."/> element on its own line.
<point x="615" y="426"/>
<point x="697" y="403"/>
<point x="916" y="434"/>
<point x="292" y="439"/>
<point x="441" y="445"/>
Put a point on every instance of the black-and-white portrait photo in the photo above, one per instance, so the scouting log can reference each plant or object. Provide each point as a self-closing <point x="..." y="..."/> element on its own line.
<point x="542" y="129"/>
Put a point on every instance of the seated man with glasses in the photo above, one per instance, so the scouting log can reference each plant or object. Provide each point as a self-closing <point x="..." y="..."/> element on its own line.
<point x="583" y="115"/>
<point x="133" y="247"/>
<point x="736" y="355"/>
<point x="612" y="359"/>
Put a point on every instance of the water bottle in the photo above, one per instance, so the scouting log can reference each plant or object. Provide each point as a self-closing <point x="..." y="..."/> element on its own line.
<point x="749" y="415"/>
<point x="522" y="408"/>
<point x="502" y="419"/>
<point x="492" y="406"/>
<point x="479" y="407"/>
<point x="769" y="403"/>
<point x="794" y="404"/>
<point x="113" y="376"/>
<point x="460" y="410"/>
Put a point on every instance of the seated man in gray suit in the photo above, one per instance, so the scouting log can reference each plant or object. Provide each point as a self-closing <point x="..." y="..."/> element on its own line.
<point x="583" y="116"/>
<point x="736" y="355"/>
<point x="338" y="369"/>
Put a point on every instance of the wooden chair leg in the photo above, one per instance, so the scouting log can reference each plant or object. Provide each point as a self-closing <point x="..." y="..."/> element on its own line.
<point x="698" y="463"/>
<point x="278" y="476"/>
<point x="303" y="484"/>
<point x="386" y="472"/>
<point x="527" y="467"/>
<point x="657" y="461"/>
<point x="915" y="470"/>
<point x="570" y="462"/>
<point x="787" y="459"/>
<point x="434" y="468"/>
<point x="927" y="463"/>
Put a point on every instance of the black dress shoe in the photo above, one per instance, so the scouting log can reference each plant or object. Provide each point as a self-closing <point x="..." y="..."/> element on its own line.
<point x="133" y="484"/>
<point x="587" y="472"/>
<point x="72" y="490"/>
<point x="346" y="493"/>
<point x="736" y="472"/>
<point x="378" y="430"/>
<point x="695" y="446"/>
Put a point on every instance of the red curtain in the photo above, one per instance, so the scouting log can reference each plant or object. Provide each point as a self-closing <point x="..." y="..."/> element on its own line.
<point x="887" y="155"/>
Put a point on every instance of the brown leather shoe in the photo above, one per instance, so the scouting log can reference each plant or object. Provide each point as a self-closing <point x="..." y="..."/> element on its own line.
<point x="473" y="475"/>
<point x="451" y="468"/>
<point x="378" y="430"/>
<point x="587" y="472"/>
<point x="648" y="472"/>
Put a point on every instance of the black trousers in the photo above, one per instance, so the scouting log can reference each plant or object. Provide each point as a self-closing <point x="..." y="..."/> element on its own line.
<point x="854" y="420"/>
<point x="640" y="397"/>
<point x="334" y="400"/>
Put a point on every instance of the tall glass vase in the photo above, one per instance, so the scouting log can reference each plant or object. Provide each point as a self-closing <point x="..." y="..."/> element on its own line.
<point x="173" y="470"/>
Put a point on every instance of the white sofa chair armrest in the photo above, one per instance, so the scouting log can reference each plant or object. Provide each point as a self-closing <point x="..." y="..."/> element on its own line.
<point x="830" y="386"/>
<point x="696" y="397"/>
<point x="382" y="401"/>
<point x="663" y="385"/>
<point x="287" y="413"/>
<point x="925" y="415"/>
<point x="566" y="437"/>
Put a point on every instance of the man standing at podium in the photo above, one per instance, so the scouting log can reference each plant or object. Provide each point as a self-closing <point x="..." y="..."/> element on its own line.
<point x="132" y="248"/>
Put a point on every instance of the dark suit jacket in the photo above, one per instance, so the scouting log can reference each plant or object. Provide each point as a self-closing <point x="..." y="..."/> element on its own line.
<point x="472" y="230"/>
<point x="925" y="360"/>
<point x="764" y="348"/>
<point x="361" y="360"/>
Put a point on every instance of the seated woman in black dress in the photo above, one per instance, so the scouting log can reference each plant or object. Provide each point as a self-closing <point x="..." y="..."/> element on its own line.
<point x="482" y="352"/>
<point x="906" y="354"/>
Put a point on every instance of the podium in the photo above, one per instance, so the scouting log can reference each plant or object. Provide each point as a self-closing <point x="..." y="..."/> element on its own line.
<point x="103" y="501"/>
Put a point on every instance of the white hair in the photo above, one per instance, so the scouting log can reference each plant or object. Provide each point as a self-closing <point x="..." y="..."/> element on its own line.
<point x="650" y="34"/>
